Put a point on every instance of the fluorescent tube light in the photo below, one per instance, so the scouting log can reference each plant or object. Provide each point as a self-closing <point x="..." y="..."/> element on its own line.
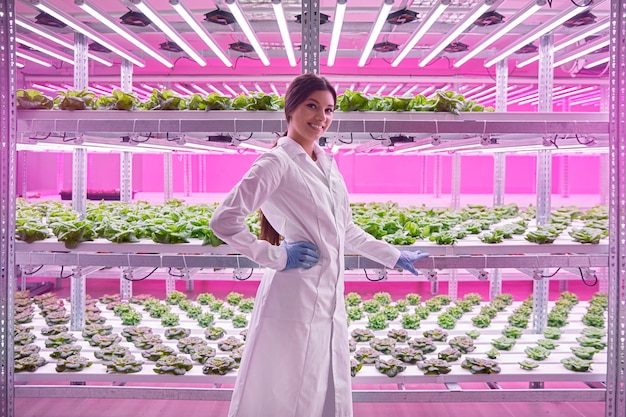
<point x="573" y="92"/>
<point x="427" y="90"/>
<point x="200" y="89"/>
<point x="185" y="13"/>
<point x="340" y="12"/>
<point x="528" y="10"/>
<point x="383" y="13"/>
<point x="122" y="31"/>
<point x="168" y="30"/>
<point x="44" y="33"/>
<point x="381" y="89"/>
<point x="395" y="90"/>
<point x="44" y="87"/>
<point x="603" y="59"/>
<point x="463" y="24"/>
<point x="235" y="9"/>
<point x="284" y="30"/>
<point x="535" y="99"/>
<point x="184" y="89"/>
<point x="434" y="13"/>
<point x="39" y="47"/>
<point x="244" y="89"/>
<point x="19" y="64"/>
<point x="492" y="95"/>
<point x="473" y="90"/>
<point x="212" y="147"/>
<point x="86" y="30"/>
<point x="258" y="88"/>
<point x="538" y="32"/>
<point x="481" y="93"/>
<point x="216" y="90"/>
<point x="33" y="59"/>
<point x="366" y="89"/>
<point x="274" y="89"/>
<point x="257" y="146"/>
<point x="410" y="147"/>
<point x="582" y="51"/>
<point x="227" y="87"/>
<point x="410" y="90"/>
<point x="572" y="39"/>
<point x="585" y="101"/>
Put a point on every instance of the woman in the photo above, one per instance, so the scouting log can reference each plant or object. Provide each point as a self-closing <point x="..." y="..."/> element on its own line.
<point x="296" y="362"/>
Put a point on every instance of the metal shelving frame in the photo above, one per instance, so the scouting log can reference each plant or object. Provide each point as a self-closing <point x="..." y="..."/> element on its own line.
<point x="614" y="395"/>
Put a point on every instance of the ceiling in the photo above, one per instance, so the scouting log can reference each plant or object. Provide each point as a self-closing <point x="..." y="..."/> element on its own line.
<point x="380" y="71"/>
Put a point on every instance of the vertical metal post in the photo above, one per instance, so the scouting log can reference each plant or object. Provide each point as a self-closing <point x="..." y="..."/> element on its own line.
<point x="604" y="178"/>
<point x="202" y="173"/>
<point x="437" y="169"/>
<point x="81" y="65"/>
<point x="7" y="203"/>
<point x="24" y="185"/>
<point x="495" y="283"/>
<point x="126" y="76"/>
<point x="60" y="170"/>
<point x="168" y="182"/>
<point x="424" y="171"/>
<point x="310" y="36"/>
<point x="604" y="158"/>
<point x="187" y="180"/>
<point x="79" y="181"/>
<point x="78" y="296"/>
<point x="453" y="285"/>
<point x="544" y="175"/>
<point x="126" y="177"/>
<point x="564" y="168"/>
<point x="126" y="196"/>
<point x="170" y="284"/>
<point x="616" y="353"/>
<point x="456" y="181"/>
<point x="499" y="159"/>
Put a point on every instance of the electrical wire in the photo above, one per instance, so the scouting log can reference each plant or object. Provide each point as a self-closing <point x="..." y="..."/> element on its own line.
<point x="148" y="137"/>
<point x="370" y="279"/>
<point x="33" y="272"/>
<point x="551" y="275"/>
<point x="345" y="142"/>
<point x="169" y="272"/>
<point x="142" y="278"/>
<point x="61" y="273"/>
<point x="582" y="277"/>
<point x="589" y="142"/>
<point x="244" y="279"/>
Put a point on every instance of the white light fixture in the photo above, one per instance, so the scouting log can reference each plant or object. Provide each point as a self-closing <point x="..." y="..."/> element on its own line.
<point x="462" y="24"/>
<point x="199" y="89"/>
<point x="284" y="30"/>
<point x="86" y="30"/>
<point x="216" y="90"/>
<point x="19" y="64"/>
<point x="573" y="92"/>
<point x="572" y="39"/>
<point x="244" y="89"/>
<point x="492" y="95"/>
<point x="274" y="89"/>
<point x="582" y="51"/>
<point x="455" y="145"/>
<point x="532" y="96"/>
<point x="102" y="17"/>
<point x="602" y="59"/>
<point x="43" y="87"/>
<point x="255" y="145"/>
<point x="212" y="147"/>
<point x="168" y="30"/>
<point x="427" y="91"/>
<point x="184" y="89"/>
<point x="396" y="89"/>
<point x="414" y="146"/>
<point x="437" y="10"/>
<point x="44" y="33"/>
<point x="258" y="88"/>
<point x="41" y="48"/>
<point x="585" y="101"/>
<point x="473" y="90"/>
<point x="366" y="88"/>
<point x="380" y="90"/>
<point x="185" y="13"/>
<point x="410" y="90"/>
<point x="227" y="87"/>
<point x="235" y="9"/>
<point x="480" y="93"/>
<point x="33" y="58"/>
<point x="536" y="33"/>
<point x="340" y="12"/>
<point x="148" y="87"/>
<point x="528" y="10"/>
<point x="535" y="99"/>
<point x="383" y="13"/>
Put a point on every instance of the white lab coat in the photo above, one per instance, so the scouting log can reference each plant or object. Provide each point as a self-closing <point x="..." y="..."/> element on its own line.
<point x="296" y="362"/>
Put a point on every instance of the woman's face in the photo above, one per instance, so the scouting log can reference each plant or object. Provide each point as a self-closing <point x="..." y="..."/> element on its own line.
<point x="312" y="117"/>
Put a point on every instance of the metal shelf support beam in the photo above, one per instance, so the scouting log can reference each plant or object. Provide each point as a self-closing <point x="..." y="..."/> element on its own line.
<point x="310" y="36"/>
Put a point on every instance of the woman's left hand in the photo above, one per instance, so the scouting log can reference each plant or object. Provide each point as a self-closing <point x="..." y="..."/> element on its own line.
<point x="408" y="258"/>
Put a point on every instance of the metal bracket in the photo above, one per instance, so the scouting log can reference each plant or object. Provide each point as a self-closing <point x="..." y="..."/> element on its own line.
<point x="430" y="274"/>
<point x="585" y="271"/>
<point x="536" y="274"/>
<point x="481" y="274"/>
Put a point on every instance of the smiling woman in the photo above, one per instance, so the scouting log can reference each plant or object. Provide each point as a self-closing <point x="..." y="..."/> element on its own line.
<point x="297" y="361"/>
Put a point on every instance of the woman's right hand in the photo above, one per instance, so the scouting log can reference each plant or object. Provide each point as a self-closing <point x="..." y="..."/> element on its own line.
<point x="300" y="255"/>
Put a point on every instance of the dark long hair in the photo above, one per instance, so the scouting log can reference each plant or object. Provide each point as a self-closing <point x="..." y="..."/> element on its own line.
<point x="298" y="91"/>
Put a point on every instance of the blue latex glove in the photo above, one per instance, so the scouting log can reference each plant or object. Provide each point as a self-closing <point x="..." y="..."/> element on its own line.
<point x="300" y="255"/>
<point x="408" y="258"/>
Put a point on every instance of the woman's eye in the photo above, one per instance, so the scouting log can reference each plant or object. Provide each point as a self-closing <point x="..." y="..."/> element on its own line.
<point x="330" y="110"/>
<point x="311" y="105"/>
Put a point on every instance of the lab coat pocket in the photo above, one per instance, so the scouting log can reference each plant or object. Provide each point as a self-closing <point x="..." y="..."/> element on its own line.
<point x="293" y="294"/>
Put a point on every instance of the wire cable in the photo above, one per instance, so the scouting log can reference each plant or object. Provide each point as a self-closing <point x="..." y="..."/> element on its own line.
<point x="551" y="275"/>
<point x="582" y="277"/>
<point x="246" y="278"/>
<point x="33" y="272"/>
<point x="370" y="279"/>
<point x="61" y="273"/>
<point x="142" y="278"/>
